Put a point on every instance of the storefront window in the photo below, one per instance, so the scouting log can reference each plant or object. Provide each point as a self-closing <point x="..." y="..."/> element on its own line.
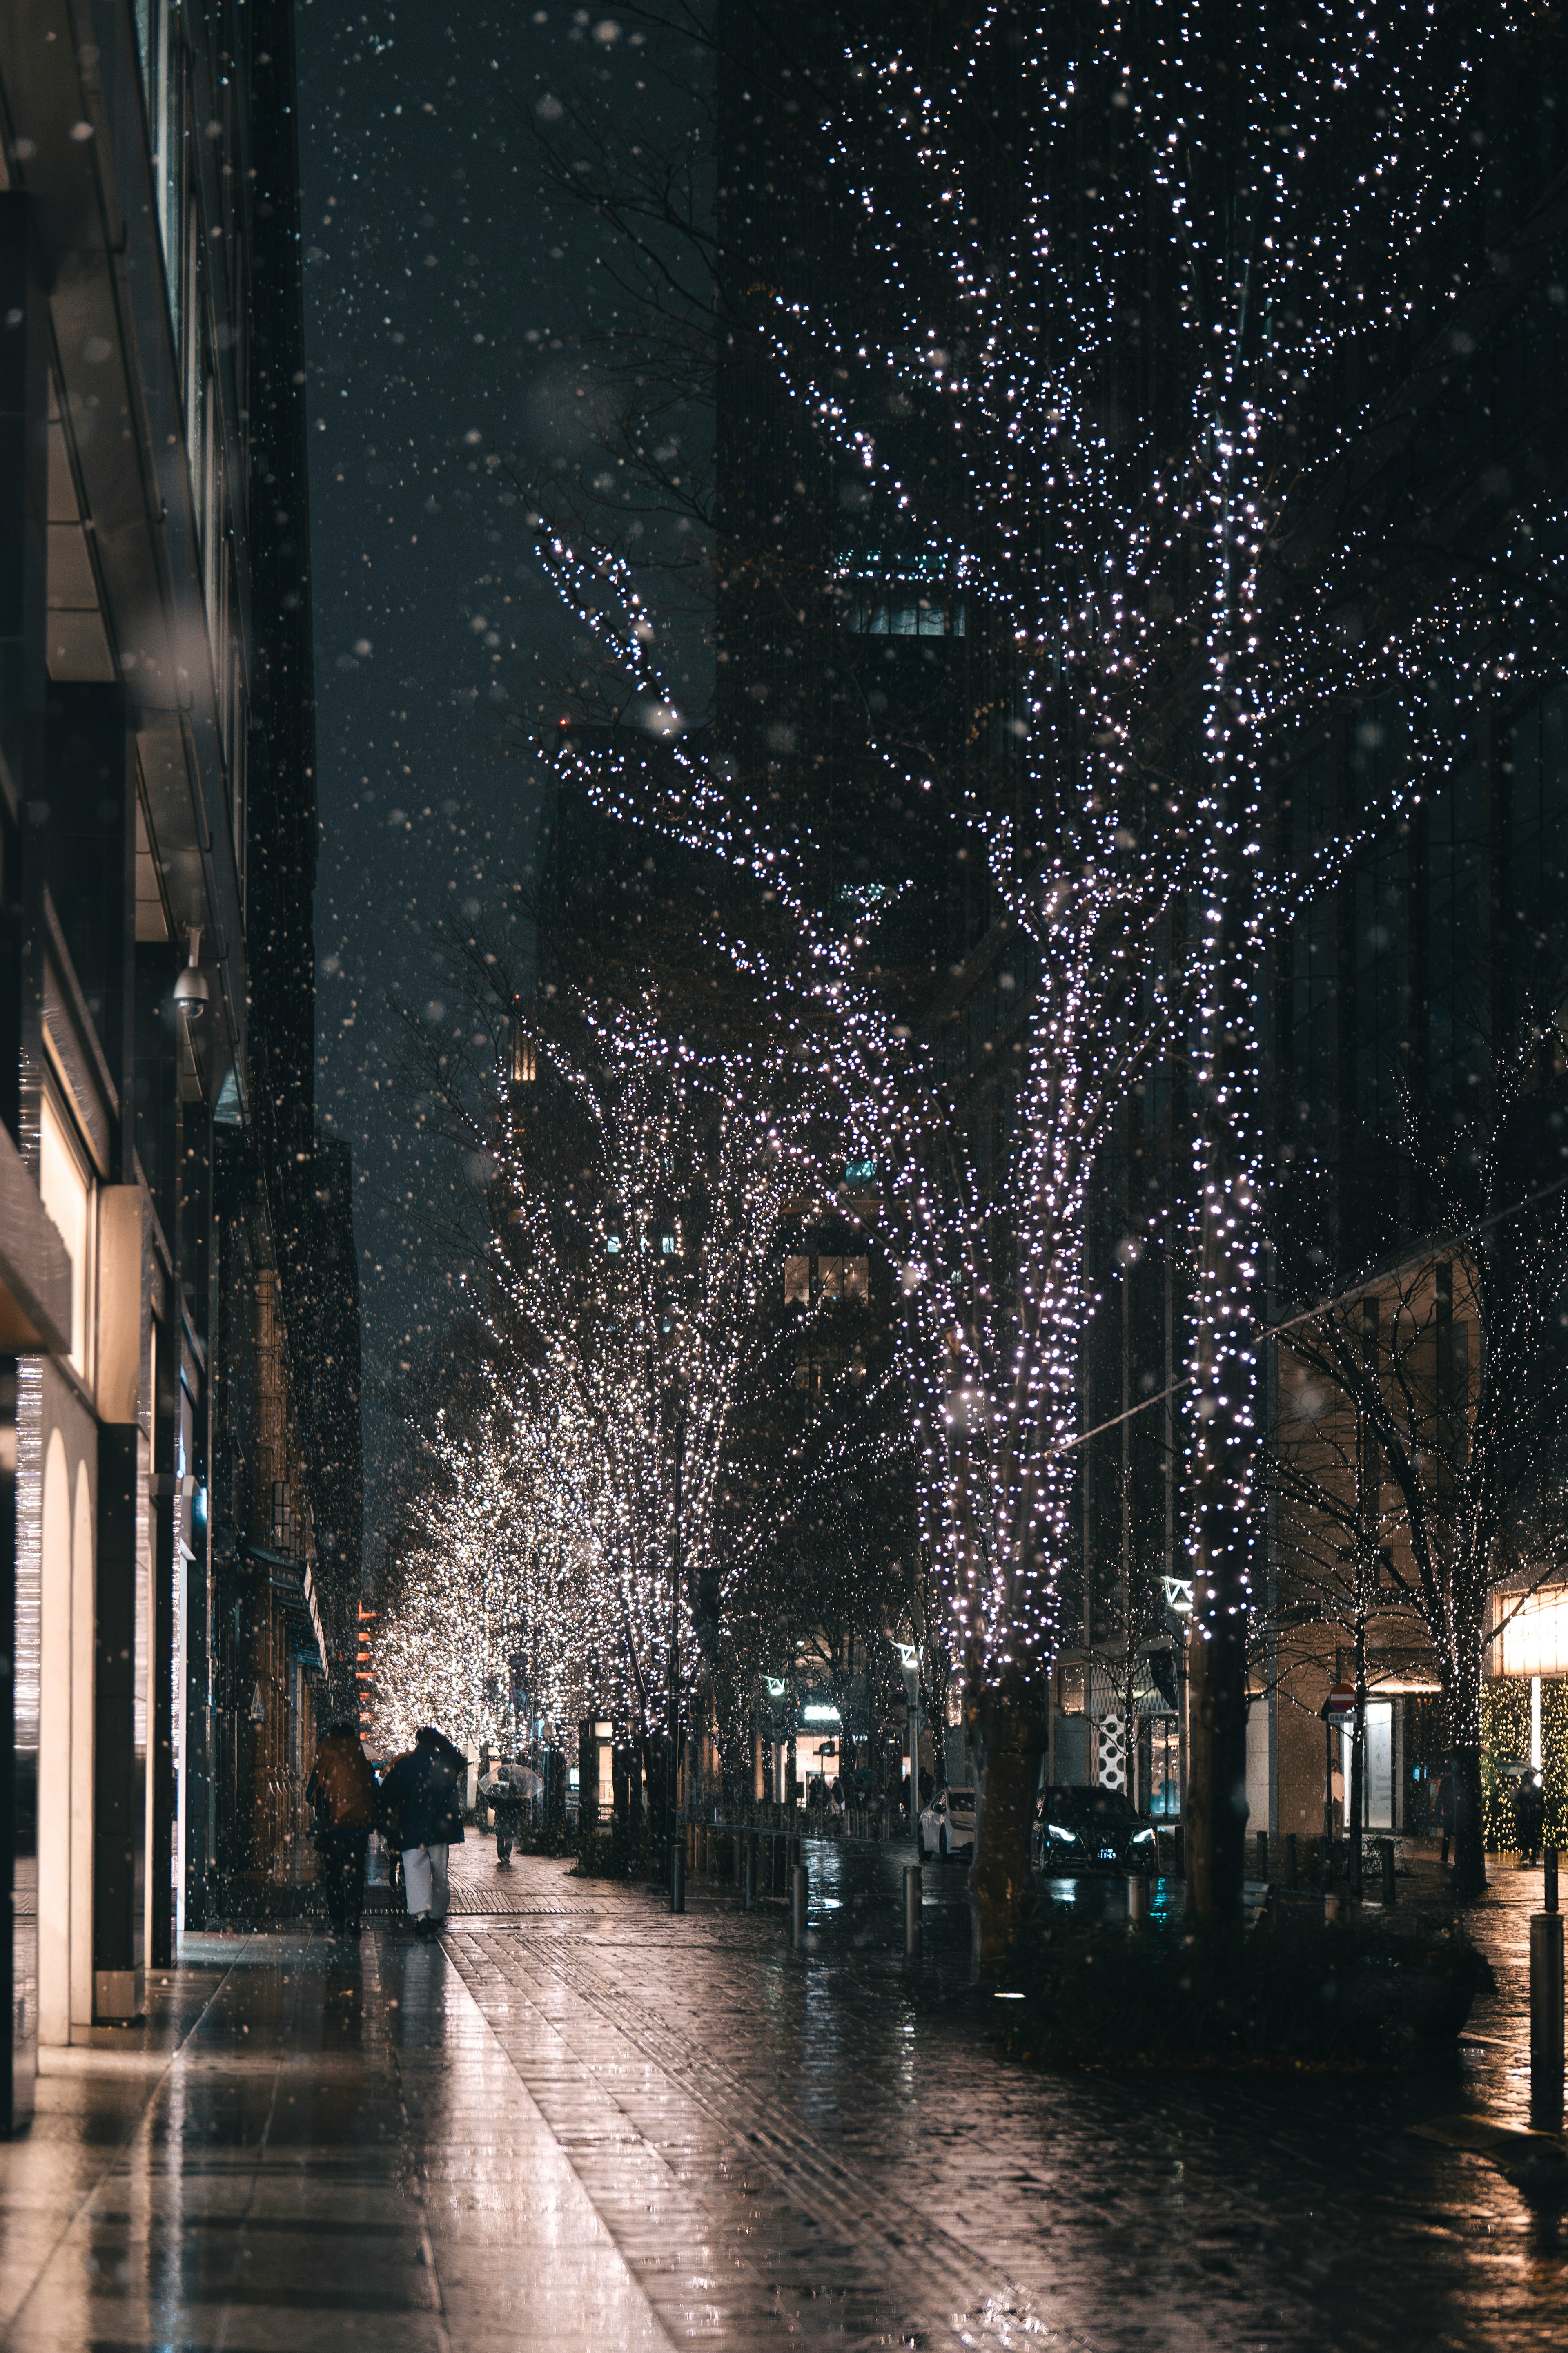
<point x="1378" y="1786"/>
<point x="1534" y="1640"/>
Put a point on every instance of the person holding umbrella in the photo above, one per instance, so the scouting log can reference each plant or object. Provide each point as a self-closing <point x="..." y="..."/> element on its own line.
<point x="507" y="1789"/>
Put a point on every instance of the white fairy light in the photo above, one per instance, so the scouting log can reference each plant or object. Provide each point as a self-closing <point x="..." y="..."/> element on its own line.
<point x="1173" y="645"/>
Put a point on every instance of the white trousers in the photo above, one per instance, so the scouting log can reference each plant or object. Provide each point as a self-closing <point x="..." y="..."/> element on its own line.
<point x="425" y="1880"/>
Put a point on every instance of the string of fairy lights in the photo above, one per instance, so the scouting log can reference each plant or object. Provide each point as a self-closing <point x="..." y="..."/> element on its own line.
<point x="1135" y="374"/>
<point x="619" y="1305"/>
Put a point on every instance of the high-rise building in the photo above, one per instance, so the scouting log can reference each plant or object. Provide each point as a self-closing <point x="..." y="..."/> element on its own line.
<point x="169" y="1232"/>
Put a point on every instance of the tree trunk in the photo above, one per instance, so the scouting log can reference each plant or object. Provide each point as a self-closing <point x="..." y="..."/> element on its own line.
<point x="1462" y="1694"/>
<point x="655" y="1764"/>
<point x="1216" y="1771"/>
<point x="1008" y="1729"/>
<point x="1355" y="1794"/>
<point x="1470" y="1842"/>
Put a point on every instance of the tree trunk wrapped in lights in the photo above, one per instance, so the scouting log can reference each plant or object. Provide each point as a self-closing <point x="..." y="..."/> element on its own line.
<point x="1130" y="467"/>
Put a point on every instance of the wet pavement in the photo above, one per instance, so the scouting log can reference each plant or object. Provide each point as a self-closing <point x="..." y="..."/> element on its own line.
<point x="579" y="2122"/>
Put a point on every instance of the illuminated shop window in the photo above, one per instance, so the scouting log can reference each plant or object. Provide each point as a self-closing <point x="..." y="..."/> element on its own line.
<point x="1534" y="1642"/>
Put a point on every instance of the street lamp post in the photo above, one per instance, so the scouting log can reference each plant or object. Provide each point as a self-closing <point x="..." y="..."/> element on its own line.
<point x="674" y="1693"/>
<point x="910" y="1660"/>
<point x="775" y="1686"/>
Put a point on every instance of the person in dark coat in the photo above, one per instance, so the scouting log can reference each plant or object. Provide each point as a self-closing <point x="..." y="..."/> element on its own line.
<point x="1530" y="1819"/>
<point x="1445" y="1810"/>
<point x="421" y="1801"/>
<point x="342" y="1795"/>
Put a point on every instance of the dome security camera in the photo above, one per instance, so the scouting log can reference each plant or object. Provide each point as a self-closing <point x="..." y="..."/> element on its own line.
<point x="193" y="991"/>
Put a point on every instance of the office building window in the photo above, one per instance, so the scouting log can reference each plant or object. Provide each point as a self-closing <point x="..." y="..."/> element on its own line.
<point x="900" y="615"/>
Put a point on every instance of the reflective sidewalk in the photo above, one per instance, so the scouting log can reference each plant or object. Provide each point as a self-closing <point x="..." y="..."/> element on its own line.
<point x="317" y="2152"/>
<point x="579" y="2123"/>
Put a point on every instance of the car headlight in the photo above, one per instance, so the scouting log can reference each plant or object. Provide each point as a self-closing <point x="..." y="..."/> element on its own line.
<point x="1143" y="1837"/>
<point x="1055" y="1831"/>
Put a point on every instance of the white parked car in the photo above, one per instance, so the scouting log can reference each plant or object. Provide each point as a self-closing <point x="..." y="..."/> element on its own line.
<point x="947" y="1825"/>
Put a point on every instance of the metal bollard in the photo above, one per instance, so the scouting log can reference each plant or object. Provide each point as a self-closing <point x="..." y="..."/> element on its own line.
<point x="798" y="1910"/>
<point x="1549" y="1880"/>
<point x="913" y="1900"/>
<point x="1292" y="1878"/>
<point x="1546" y="2021"/>
<point x="1333" y="1907"/>
<point x="1137" y="1899"/>
<point x="1263" y="1855"/>
<point x="678" y="1875"/>
<point x="1385" y="1853"/>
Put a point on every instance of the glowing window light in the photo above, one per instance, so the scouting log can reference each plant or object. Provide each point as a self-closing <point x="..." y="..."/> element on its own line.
<point x="1535" y="1640"/>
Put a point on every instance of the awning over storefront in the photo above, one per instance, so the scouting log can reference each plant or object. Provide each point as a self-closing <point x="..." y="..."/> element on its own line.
<point x="294" y="1590"/>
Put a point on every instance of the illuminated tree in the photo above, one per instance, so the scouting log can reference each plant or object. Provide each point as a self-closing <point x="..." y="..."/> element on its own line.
<point x="1135" y="455"/>
<point x="633" y="1196"/>
<point x="488" y="1574"/>
<point x="1444" y="1363"/>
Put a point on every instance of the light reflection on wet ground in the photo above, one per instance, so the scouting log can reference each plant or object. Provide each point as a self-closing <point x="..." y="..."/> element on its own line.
<point x="580" y="2122"/>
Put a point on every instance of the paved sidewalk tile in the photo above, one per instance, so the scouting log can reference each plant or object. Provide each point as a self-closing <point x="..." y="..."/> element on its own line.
<point x="578" y="2122"/>
<point x="829" y="2150"/>
<point x="338" y="2155"/>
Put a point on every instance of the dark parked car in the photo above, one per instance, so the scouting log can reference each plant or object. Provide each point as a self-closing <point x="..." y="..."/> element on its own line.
<point x="1092" y="1829"/>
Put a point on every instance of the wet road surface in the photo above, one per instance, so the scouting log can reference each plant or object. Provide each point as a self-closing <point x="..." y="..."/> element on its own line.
<point x="579" y="2122"/>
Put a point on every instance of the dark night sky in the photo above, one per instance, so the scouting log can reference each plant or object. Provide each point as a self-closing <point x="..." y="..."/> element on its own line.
<point x="441" y="297"/>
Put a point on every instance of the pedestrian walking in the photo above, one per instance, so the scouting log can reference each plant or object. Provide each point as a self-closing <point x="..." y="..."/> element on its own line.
<point x="1530" y="1819"/>
<point x="509" y="1790"/>
<point x="419" y="1796"/>
<point x="342" y="1795"/>
<point x="1445" y="1808"/>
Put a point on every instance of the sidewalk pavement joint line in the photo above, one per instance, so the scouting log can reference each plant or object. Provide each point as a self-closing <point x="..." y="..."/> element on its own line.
<point x="803" y="2173"/>
<point x="469" y="1995"/>
<point x="797" y="2151"/>
<point x="112" y="2156"/>
<point x="461" y="1977"/>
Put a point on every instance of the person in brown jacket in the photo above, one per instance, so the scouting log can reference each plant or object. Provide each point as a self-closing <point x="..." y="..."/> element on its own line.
<point x="343" y="1795"/>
